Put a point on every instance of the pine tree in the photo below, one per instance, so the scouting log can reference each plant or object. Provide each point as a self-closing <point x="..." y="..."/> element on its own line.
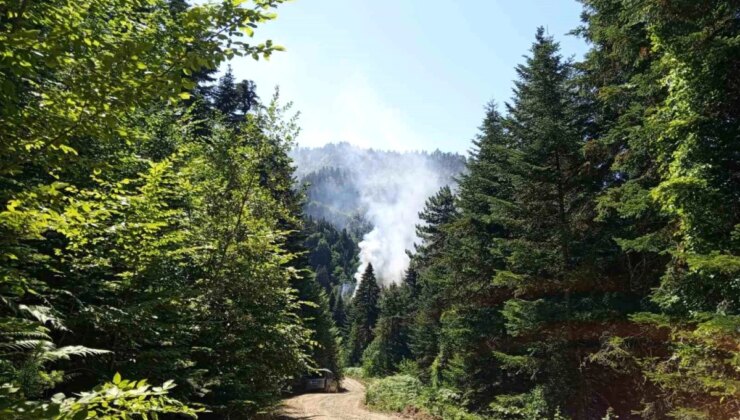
<point x="432" y="274"/>
<point x="485" y="200"/>
<point x="390" y="344"/>
<point x="225" y="95"/>
<point x="620" y="77"/>
<point x="519" y="257"/>
<point x="336" y="250"/>
<point x="234" y="99"/>
<point x="321" y="255"/>
<point x="246" y="96"/>
<point x="363" y="316"/>
<point x="322" y="278"/>
<point x="438" y="211"/>
<point x="339" y="312"/>
<point x="550" y="192"/>
<point x="319" y="318"/>
<point x="547" y="218"/>
<point x="411" y="281"/>
<point x="458" y="315"/>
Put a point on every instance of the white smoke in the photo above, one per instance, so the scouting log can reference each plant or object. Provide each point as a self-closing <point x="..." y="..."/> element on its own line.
<point x="392" y="187"/>
<point x="393" y="197"/>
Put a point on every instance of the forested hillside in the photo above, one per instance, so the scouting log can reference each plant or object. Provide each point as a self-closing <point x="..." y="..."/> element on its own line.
<point x="587" y="266"/>
<point x="168" y="251"/>
<point x="342" y="181"/>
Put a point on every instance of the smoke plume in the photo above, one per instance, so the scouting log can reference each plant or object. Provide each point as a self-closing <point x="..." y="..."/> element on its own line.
<point x="390" y="188"/>
<point x="393" y="197"/>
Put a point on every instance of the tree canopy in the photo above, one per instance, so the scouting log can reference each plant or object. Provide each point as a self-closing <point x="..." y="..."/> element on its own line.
<point x="148" y="221"/>
<point x="586" y="264"/>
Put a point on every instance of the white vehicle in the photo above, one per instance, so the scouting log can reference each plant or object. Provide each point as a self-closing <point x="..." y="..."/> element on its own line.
<point x="323" y="380"/>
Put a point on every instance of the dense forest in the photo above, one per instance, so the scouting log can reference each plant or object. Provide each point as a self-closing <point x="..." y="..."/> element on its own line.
<point x="166" y="251"/>
<point x="150" y="229"/>
<point x="587" y="266"/>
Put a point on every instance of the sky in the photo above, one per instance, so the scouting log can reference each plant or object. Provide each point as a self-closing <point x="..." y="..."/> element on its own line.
<point x="401" y="74"/>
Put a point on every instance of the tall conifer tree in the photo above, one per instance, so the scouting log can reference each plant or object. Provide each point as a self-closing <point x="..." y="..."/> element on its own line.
<point x="364" y="314"/>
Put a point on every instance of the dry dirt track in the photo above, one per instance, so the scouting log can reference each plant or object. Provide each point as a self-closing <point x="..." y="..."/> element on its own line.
<point x="347" y="405"/>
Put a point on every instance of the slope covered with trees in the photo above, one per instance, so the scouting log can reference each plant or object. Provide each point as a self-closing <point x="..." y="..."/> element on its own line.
<point x="587" y="265"/>
<point x="342" y="180"/>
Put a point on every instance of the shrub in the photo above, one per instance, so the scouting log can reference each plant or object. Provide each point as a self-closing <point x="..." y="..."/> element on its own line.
<point x="354" y="372"/>
<point x="123" y="399"/>
<point x="531" y="405"/>
<point x="394" y="393"/>
<point x="119" y="399"/>
<point x="405" y="393"/>
<point x="410" y="368"/>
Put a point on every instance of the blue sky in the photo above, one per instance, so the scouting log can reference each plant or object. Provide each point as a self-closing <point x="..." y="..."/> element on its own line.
<point x="401" y="74"/>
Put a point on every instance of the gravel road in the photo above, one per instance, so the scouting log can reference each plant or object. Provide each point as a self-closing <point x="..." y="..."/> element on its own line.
<point x="346" y="405"/>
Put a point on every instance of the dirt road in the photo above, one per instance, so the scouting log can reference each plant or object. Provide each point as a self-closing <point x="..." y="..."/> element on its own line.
<point x="346" y="405"/>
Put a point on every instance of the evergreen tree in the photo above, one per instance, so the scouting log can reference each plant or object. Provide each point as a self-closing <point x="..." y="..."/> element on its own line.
<point x="526" y="222"/>
<point x="332" y="254"/>
<point x="411" y="281"/>
<point x="485" y="201"/>
<point x="322" y="278"/>
<point x="390" y="344"/>
<point x="321" y="255"/>
<point x="246" y="95"/>
<point x="550" y="267"/>
<point x="550" y="191"/>
<point x="432" y="275"/>
<point x="276" y="176"/>
<point x="112" y="237"/>
<point x="463" y="318"/>
<point x="438" y="211"/>
<point x="324" y="353"/>
<point x="234" y="99"/>
<point x="224" y="95"/>
<point x="673" y="152"/>
<point x="363" y="316"/>
<point x="339" y="312"/>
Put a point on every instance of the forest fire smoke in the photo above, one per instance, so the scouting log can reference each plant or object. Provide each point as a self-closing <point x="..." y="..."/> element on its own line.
<point x="387" y="188"/>
<point x="393" y="198"/>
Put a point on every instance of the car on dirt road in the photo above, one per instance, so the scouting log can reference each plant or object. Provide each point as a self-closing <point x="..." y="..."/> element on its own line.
<point x="323" y="380"/>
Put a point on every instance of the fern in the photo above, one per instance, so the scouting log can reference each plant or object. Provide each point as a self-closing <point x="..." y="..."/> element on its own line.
<point x="64" y="353"/>
<point x="44" y="314"/>
<point x="36" y="335"/>
<point x="20" y="346"/>
<point x="28" y="348"/>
